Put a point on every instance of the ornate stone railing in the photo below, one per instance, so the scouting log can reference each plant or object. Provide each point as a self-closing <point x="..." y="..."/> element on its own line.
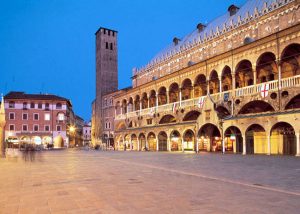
<point x="245" y="91"/>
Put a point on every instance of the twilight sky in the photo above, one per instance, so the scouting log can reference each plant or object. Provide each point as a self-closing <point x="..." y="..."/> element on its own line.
<point x="48" y="46"/>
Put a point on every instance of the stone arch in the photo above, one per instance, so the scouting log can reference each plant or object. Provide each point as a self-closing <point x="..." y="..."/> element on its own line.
<point x="137" y="102"/>
<point x="256" y="140"/>
<point x="124" y="106"/>
<point x="222" y="111"/>
<point x="162" y="96"/>
<point x="233" y="139"/>
<point x="167" y="119"/>
<point x="191" y="115"/>
<point x="200" y="85"/>
<point x="175" y="141"/>
<point x="152" y="99"/>
<point x="127" y="141"/>
<point x="226" y="78"/>
<point x="151" y="139"/>
<point x="142" y="141"/>
<point x="144" y="100"/>
<point x="188" y="138"/>
<point x="266" y="68"/>
<point x="186" y="89"/>
<point x="134" y="142"/>
<point x="162" y="141"/>
<point x="130" y="105"/>
<point x="120" y="142"/>
<point x="121" y="126"/>
<point x="244" y="74"/>
<point x="283" y="139"/>
<point x="58" y="142"/>
<point x="214" y="82"/>
<point x="294" y="103"/>
<point x="174" y="92"/>
<point x="256" y="106"/>
<point x="290" y="60"/>
<point x="209" y="137"/>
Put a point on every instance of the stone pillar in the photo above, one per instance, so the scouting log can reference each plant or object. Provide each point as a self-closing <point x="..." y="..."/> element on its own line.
<point x="244" y="145"/>
<point x="269" y="144"/>
<point x="157" y="148"/>
<point x="193" y="92"/>
<point x="297" y="144"/>
<point x="254" y="75"/>
<point x="279" y="74"/>
<point x="233" y="81"/>
<point x="197" y="145"/>
<point x="207" y="87"/>
<point x="146" y="143"/>
<point x="138" y="144"/>
<point x="169" y="145"/>
<point x="140" y="105"/>
<point x="180" y="96"/>
<point x="156" y="99"/>
<point x="121" y="109"/>
<point x="149" y="102"/>
<point x="220" y="90"/>
<point x="167" y="92"/>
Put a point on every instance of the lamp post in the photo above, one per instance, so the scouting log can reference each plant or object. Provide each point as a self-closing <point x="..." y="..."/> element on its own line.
<point x="72" y="130"/>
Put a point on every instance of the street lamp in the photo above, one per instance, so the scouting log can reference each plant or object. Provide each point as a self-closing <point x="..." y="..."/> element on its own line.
<point x="72" y="130"/>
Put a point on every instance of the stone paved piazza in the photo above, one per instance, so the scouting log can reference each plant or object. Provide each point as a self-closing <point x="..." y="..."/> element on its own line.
<point x="73" y="181"/>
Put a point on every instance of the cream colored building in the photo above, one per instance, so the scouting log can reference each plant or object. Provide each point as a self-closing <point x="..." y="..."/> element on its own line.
<point x="232" y="86"/>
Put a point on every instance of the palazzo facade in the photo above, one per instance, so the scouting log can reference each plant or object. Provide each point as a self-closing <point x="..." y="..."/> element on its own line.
<point x="232" y="85"/>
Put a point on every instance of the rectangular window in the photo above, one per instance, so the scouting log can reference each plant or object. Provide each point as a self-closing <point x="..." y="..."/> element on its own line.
<point x="106" y="45"/>
<point x="25" y="128"/>
<point x="109" y="32"/>
<point x="149" y="121"/>
<point x="36" y="128"/>
<point x="24" y="106"/>
<point x="47" y="128"/>
<point x="36" y="116"/>
<point x="25" y="116"/>
<point x="47" y="106"/>
<point x="11" y="116"/>
<point x="47" y="116"/>
<point x="61" y="117"/>
<point x="58" y="128"/>
<point x="11" y="104"/>
<point x="111" y="46"/>
<point x="40" y="105"/>
<point x="11" y="127"/>
<point x="32" y="105"/>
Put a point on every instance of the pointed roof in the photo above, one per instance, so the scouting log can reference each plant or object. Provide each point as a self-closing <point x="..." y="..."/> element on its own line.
<point x="2" y="110"/>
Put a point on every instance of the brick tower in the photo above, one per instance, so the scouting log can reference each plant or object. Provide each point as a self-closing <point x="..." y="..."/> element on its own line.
<point x="106" y="74"/>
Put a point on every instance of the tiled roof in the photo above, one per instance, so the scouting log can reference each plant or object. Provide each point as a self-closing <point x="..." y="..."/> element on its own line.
<point x="21" y="95"/>
<point x="252" y="9"/>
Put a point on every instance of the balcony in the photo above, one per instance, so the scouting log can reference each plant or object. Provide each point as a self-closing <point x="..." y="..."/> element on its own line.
<point x="274" y="85"/>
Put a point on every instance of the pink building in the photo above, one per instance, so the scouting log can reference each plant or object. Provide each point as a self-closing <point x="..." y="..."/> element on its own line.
<point x="39" y="119"/>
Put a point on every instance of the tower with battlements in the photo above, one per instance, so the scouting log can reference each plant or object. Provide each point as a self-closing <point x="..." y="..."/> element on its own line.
<point x="106" y="76"/>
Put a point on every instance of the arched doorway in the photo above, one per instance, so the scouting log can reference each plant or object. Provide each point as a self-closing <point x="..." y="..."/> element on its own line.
<point x="127" y="142"/>
<point x="186" y="89"/>
<point x="175" y="141"/>
<point x="162" y="96"/>
<point x="283" y="139"/>
<point x="200" y="86"/>
<point x="174" y="93"/>
<point x="290" y="59"/>
<point x="233" y="140"/>
<point x="188" y="140"/>
<point x="134" y="142"/>
<point x="244" y="74"/>
<point x="266" y="68"/>
<point x="151" y="139"/>
<point x="142" y="141"/>
<point x="226" y="79"/>
<point x="162" y="141"/>
<point x="209" y="138"/>
<point x="256" y="140"/>
<point x="214" y="82"/>
<point x="58" y="142"/>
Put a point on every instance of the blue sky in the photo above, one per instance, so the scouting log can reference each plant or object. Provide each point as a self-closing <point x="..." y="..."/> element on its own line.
<point x="48" y="46"/>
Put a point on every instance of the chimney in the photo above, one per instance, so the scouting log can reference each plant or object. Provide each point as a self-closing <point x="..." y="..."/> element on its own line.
<point x="232" y="9"/>
<point x="200" y="27"/>
<point x="176" y="40"/>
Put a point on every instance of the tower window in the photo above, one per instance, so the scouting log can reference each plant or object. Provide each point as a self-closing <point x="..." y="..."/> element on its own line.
<point x="106" y="45"/>
<point x="109" y="32"/>
<point x="111" y="46"/>
<point x="113" y="33"/>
